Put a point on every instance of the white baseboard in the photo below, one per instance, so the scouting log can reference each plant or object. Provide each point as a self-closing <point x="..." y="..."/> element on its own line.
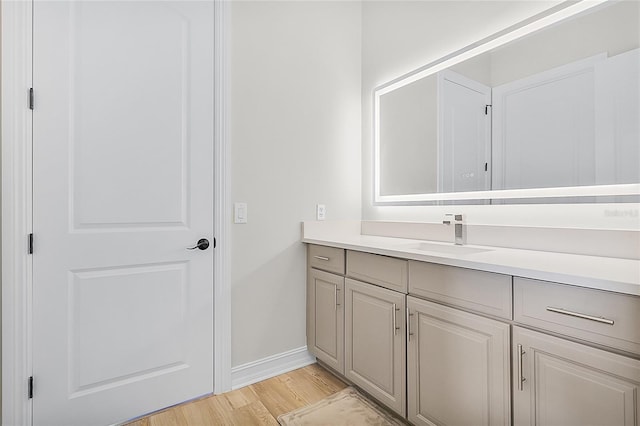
<point x="265" y="368"/>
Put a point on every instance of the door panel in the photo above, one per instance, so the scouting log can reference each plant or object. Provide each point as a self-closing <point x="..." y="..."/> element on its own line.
<point x="557" y="147"/>
<point x="139" y="103"/>
<point x="566" y="383"/>
<point x="464" y="142"/>
<point x="375" y="349"/>
<point x="325" y="320"/>
<point x="123" y="184"/>
<point x="457" y="367"/>
<point x="149" y="321"/>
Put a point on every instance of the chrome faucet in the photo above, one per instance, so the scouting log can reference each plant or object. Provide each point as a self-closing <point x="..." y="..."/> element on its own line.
<point x="459" y="235"/>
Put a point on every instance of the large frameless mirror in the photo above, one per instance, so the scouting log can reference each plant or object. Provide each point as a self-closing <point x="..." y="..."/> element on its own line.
<point x="548" y="111"/>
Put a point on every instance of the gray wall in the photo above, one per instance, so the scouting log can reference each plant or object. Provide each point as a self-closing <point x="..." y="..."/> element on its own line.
<point x="295" y="142"/>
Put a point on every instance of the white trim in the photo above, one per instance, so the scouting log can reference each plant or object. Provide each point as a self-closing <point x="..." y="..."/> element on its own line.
<point x="222" y="280"/>
<point x="16" y="211"/>
<point x="271" y="366"/>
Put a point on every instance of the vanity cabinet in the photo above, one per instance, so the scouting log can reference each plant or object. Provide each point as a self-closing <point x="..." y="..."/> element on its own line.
<point x="444" y="345"/>
<point x="479" y="291"/>
<point x="557" y="381"/>
<point x="325" y="311"/>
<point x="375" y="345"/>
<point x="458" y="367"/>
<point x="560" y="382"/>
<point x="357" y="328"/>
<point x="602" y="317"/>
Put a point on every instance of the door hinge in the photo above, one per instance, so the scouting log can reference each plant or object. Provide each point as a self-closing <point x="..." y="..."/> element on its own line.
<point x="486" y="109"/>
<point x="30" y="243"/>
<point x="31" y="387"/>
<point x="31" y="98"/>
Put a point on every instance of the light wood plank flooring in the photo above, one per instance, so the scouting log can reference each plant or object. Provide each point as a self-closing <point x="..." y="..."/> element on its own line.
<point x="257" y="404"/>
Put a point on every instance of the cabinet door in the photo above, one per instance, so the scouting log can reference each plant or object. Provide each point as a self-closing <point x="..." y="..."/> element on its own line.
<point x="325" y="318"/>
<point x="566" y="383"/>
<point x="375" y="351"/>
<point x="458" y="367"/>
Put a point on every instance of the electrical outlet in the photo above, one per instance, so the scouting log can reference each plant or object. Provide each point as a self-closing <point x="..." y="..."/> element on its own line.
<point x="321" y="211"/>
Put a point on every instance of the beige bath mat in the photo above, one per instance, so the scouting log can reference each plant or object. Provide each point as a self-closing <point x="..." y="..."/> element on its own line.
<point x="345" y="408"/>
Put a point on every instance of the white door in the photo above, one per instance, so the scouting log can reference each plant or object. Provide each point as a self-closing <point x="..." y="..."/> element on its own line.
<point x="617" y="127"/>
<point x="464" y="133"/>
<point x="123" y="184"/>
<point x="543" y="131"/>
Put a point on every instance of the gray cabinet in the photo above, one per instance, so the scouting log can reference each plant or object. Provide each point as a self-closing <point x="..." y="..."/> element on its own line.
<point x="325" y="318"/>
<point x="384" y="271"/>
<point x="445" y="354"/>
<point x="458" y="367"/>
<point x="559" y="382"/>
<point x="375" y="347"/>
<point x="483" y="292"/>
<point x="601" y="317"/>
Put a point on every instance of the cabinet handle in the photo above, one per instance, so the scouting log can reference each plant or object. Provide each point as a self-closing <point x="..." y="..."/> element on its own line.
<point x="409" y="333"/>
<point x="521" y="379"/>
<point x="579" y="315"/>
<point x="395" y="323"/>
<point x="335" y="295"/>
<point x="326" y="259"/>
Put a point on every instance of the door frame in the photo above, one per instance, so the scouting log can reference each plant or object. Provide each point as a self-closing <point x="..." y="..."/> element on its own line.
<point x="17" y="208"/>
<point x="459" y="79"/>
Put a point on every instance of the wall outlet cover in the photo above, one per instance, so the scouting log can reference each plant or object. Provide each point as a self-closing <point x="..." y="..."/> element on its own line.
<point x="321" y="211"/>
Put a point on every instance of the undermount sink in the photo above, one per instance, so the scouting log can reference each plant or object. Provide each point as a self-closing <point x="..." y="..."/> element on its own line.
<point x="444" y="248"/>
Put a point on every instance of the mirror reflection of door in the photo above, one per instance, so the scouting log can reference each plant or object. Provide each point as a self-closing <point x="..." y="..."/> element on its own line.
<point x="574" y="125"/>
<point x="464" y="133"/>
<point x="543" y="128"/>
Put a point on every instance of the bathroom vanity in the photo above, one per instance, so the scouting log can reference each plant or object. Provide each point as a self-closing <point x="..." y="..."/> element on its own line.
<point x="474" y="335"/>
<point x="531" y="326"/>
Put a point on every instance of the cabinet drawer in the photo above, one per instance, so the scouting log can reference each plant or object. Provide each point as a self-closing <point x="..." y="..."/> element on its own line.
<point x="387" y="272"/>
<point x="478" y="291"/>
<point x="606" y="318"/>
<point x="326" y="258"/>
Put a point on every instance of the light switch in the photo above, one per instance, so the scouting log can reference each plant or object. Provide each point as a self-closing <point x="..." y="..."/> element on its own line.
<point x="321" y="211"/>
<point x="240" y="212"/>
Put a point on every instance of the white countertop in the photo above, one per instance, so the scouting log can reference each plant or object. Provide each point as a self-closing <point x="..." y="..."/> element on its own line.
<point x="603" y="273"/>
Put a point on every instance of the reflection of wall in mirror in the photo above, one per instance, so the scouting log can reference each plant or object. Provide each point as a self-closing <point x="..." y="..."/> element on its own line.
<point x="613" y="29"/>
<point x="408" y="135"/>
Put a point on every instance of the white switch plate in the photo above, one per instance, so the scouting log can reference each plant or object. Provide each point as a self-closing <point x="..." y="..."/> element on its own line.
<point x="321" y="211"/>
<point x="239" y="212"/>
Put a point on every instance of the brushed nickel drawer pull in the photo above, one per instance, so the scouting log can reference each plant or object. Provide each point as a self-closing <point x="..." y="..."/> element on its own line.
<point x="578" y="315"/>
<point x="521" y="379"/>
<point x="395" y="324"/>
<point x="409" y="333"/>
<point x="326" y="259"/>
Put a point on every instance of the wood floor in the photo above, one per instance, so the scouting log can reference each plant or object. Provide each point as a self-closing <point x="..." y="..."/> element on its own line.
<point x="257" y="404"/>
